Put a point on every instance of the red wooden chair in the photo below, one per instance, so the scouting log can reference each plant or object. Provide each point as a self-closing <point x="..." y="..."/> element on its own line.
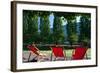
<point x="79" y="53"/>
<point x="58" y="52"/>
<point x="35" y="51"/>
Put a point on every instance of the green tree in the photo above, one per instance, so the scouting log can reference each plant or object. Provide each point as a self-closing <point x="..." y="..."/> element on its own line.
<point x="58" y="35"/>
<point x="30" y="22"/>
<point x="71" y="27"/>
<point x="25" y="21"/>
<point x="85" y="28"/>
<point x="44" y="27"/>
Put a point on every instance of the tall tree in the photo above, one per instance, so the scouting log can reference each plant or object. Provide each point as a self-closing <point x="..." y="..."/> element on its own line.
<point x="44" y="26"/>
<point x="58" y="35"/>
<point x="85" y="28"/>
<point x="32" y="26"/>
<point x="71" y="27"/>
<point x="25" y="21"/>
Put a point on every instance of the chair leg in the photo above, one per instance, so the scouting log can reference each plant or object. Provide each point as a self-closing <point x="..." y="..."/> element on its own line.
<point x="55" y="59"/>
<point x="65" y="58"/>
<point x="29" y="56"/>
<point x="86" y="56"/>
<point x="51" y="56"/>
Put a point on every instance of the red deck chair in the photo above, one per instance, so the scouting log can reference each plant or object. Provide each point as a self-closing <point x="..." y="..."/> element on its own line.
<point x="58" y="52"/>
<point x="33" y="50"/>
<point x="36" y="51"/>
<point x="79" y="53"/>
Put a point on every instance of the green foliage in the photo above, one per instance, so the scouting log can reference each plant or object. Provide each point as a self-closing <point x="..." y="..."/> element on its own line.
<point x="58" y="35"/>
<point x="44" y="27"/>
<point x="71" y="27"/>
<point x="85" y="28"/>
<point x="30" y="23"/>
<point x="39" y="31"/>
<point x="70" y="16"/>
<point x="25" y="22"/>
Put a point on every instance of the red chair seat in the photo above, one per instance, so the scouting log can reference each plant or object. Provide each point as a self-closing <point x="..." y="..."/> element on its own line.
<point x="79" y="53"/>
<point x="58" y="53"/>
